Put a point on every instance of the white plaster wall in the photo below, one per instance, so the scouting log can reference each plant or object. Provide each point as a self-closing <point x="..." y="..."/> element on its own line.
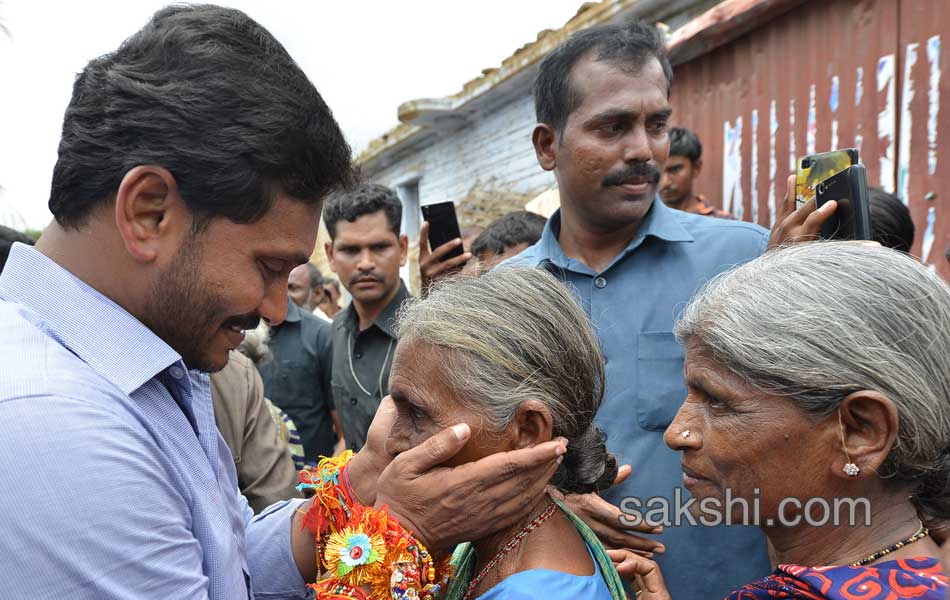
<point x="495" y="149"/>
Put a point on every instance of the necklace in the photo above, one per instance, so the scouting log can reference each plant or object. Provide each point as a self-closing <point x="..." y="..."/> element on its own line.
<point x="508" y="547"/>
<point x="349" y="355"/>
<point x="922" y="532"/>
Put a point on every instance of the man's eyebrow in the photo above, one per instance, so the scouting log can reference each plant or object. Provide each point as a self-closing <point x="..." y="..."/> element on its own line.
<point x="613" y="115"/>
<point x="661" y="114"/>
<point x="293" y="258"/>
<point x="620" y="115"/>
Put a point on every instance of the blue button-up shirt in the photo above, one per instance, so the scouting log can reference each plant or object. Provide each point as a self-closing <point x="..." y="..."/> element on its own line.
<point x="633" y="304"/>
<point x="116" y="481"/>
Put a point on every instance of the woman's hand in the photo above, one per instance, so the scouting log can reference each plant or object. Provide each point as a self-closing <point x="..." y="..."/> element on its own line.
<point x="445" y="506"/>
<point x="642" y="573"/>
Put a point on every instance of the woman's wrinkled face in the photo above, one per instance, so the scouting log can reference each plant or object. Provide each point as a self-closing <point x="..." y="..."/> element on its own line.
<point x="425" y="405"/>
<point x="746" y="444"/>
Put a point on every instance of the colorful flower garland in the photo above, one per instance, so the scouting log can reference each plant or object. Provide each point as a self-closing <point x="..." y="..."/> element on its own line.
<point x="362" y="547"/>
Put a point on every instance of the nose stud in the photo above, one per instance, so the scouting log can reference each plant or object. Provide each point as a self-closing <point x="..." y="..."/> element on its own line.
<point x="685" y="434"/>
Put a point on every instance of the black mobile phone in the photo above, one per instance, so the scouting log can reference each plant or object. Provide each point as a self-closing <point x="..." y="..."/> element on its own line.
<point x="852" y="218"/>
<point x="815" y="168"/>
<point x="443" y="226"/>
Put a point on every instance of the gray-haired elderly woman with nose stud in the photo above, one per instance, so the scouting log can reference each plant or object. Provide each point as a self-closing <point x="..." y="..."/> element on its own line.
<point x="818" y="382"/>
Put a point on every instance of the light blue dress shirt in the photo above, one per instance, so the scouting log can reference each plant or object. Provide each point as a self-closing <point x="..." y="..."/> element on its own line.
<point x="116" y="481"/>
<point x="633" y="304"/>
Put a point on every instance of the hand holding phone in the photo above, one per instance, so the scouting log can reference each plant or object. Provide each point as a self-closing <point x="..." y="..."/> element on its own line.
<point x="440" y="243"/>
<point x="443" y="227"/>
<point x="815" y="168"/>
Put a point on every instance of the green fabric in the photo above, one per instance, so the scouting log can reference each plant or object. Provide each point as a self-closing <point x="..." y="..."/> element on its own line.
<point x="463" y="561"/>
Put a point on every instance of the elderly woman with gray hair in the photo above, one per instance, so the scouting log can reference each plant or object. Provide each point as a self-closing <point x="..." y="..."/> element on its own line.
<point x="819" y="373"/>
<point x="513" y="355"/>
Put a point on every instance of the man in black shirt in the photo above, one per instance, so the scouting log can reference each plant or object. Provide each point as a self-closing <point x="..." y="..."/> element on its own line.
<point x="366" y="252"/>
<point x="297" y="379"/>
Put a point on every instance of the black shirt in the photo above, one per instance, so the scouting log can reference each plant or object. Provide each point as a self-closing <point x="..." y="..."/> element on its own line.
<point x="369" y="355"/>
<point x="298" y="378"/>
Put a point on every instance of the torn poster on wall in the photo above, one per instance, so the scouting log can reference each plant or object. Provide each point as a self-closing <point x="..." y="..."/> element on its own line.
<point x="933" y="102"/>
<point x="791" y="136"/>
<point x="811" y="131"/>
<point x="887" y="120"/>
<point x="754" y="168"/>
<point x="928" y="241"/>
<point x="906" y="125"/>
<point x="858" y="95"/>
<point x="833" y="105"/>
<point x="732" y="167"/>
<point x="773" y="129"/>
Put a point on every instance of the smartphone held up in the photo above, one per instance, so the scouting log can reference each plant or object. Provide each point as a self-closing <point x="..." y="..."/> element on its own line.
<point x="443" y="227"/>
<point x="838" y="176"/>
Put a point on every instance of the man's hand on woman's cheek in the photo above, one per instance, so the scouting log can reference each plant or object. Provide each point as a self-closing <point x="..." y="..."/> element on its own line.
<point x="445" y="506"/>
<point x="366" y="467"/>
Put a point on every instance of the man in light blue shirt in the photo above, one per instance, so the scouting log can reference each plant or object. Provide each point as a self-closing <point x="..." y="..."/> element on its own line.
<point x="603" y="113"/>
<point x="190" y="177"/>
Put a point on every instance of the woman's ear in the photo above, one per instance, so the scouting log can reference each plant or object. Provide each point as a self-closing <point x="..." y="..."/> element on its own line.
<point x="869" y="422"/>
<point x="532" y="425"/>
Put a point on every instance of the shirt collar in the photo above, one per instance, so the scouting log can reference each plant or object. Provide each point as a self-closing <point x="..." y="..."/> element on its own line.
<point x="386" y="320"/>
<point x="661" y="222"/>
<point x="293" y="312"/>
<point x="93" y="327"/>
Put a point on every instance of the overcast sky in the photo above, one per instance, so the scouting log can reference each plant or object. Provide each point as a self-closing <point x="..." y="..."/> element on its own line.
<point x="365" y="58"/>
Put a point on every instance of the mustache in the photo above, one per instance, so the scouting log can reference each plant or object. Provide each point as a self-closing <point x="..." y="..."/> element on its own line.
<point x="638" y="170"/>
<point x="244" y="322"/>
<point x="365" y="275"/>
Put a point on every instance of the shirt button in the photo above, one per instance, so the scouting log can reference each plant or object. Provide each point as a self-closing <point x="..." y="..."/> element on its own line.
<point x="176" y="372"/>
<point x="600" y="282"/>
<point x="353" y="401"/>
<point x="357" y="355"/>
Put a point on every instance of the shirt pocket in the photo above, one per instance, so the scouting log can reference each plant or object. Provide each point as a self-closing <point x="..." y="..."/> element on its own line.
<point x="660" y="387"/>
<point x="294" y="384"/>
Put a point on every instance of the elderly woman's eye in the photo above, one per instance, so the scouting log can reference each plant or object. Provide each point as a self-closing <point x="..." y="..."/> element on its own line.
<point x="715" y="402"/>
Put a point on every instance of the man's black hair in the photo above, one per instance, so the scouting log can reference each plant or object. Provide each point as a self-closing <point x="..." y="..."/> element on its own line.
<point x="684" y="142"/>
<point x="365" y="199"/>
<point x="891" y="224"/>
<point x="628" y="46"/>
<point x="519" y="227"/>
<point x="209" y="94"/>
<point x="7" y="237"/>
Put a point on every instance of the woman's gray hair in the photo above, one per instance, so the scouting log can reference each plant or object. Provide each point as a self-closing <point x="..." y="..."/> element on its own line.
<point x="255" y="345"/>
<point x="517" y="334"/>
<point x="819" y="321"/>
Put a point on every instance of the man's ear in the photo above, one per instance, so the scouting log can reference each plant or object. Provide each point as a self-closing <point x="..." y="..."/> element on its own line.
<point x="403" y="250"/>
<point x="697" y="167"/>
<point x="149" y="212"/>
<point x="532" y="425"/>
<point x="869" y="422"/>
<point x="544" y="138"/>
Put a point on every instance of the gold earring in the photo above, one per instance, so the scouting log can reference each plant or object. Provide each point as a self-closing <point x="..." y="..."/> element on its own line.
<point x="850" y="469"/>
